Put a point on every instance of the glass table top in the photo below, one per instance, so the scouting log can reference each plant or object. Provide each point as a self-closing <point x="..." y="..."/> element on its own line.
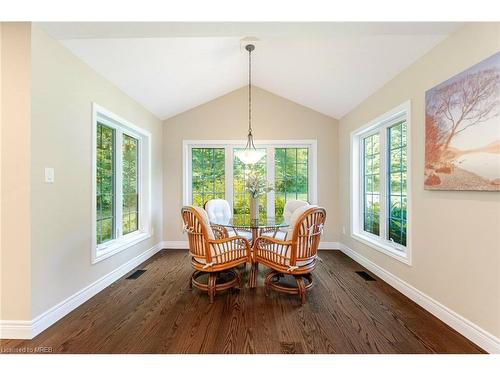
<point x="244" y="221"/>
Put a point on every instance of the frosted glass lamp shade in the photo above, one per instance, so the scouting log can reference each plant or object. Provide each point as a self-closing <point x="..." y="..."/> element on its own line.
<point x="250" y="155"/>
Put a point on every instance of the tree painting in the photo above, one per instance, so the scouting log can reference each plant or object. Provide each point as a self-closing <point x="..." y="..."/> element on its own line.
<point x="462" y="130"/>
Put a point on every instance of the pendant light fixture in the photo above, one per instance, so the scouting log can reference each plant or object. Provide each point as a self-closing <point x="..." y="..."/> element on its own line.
<point x="250" y="155"/>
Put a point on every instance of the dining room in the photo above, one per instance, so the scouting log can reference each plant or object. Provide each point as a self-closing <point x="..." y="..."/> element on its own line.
<point x="250" y="187"/>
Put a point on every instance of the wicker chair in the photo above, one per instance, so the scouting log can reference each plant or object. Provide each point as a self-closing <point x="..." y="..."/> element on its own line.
<point x="296" y="257"/>
<point x="213" y="252"/>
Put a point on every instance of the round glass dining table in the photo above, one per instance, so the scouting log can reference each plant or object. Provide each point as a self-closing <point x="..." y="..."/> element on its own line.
<point x="267" y="225"/>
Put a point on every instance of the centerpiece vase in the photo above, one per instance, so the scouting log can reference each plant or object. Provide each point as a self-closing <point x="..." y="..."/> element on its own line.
<point x="254" y="208"/>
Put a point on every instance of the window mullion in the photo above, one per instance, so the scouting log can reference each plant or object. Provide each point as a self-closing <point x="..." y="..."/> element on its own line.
<point x="119" y="184"/>
<point x="270" y="180"/>
<point x="383" y="182"/>
<point x="309" y="176"/>
<point x="139" y="187"/>
<point x="228" y="172"/>
<point x="361" y="189"/>
<point x="189" y="166"/>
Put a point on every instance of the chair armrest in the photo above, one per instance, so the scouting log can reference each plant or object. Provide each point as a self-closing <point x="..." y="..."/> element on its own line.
<point x="273" y="250"/>
<point x="230" y="248"/>
<point x="265" y="240"/>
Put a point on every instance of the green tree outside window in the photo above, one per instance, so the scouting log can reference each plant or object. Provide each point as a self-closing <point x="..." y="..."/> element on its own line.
<point x="291" y="177"/>
<point x="241" y="198"/>
<point x="105" y="172"/>
<point x="397" y="220"/>
<point x="371" y="184"/>
<point x="130" y="206"/>
<point x="208" y="176"/>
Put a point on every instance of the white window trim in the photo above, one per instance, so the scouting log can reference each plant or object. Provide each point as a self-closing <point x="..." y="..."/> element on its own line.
<point x="401" y="253"/>
<point x="229" y="145"/>
<point x="121" y="243"/>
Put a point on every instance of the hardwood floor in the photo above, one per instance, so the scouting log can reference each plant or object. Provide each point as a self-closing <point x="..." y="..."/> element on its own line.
<point x="156" y="313"/>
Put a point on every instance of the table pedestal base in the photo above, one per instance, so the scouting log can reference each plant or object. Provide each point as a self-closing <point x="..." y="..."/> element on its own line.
<point x="252" y="282"/>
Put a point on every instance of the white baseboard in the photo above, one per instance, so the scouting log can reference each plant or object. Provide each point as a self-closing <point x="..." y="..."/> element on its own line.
<point x="329" y="245"/>
<point x="185" y="245"/>
<point x="15" y="329"/>
<point x="26" y="329"/>
<point x="175" y="244"/>
<point x="473" y="332"/>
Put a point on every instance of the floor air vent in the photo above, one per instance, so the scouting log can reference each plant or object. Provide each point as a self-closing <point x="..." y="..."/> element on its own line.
<point x="365" y="275"/>
<point x="136" y="274"/>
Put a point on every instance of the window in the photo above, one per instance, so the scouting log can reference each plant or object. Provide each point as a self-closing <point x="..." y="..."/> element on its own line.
<point x="291" y="176"/>
<point x="289" y="166"/>
<point x="130" y="184"/>
<point x="371" y="184"/>
<point x="121" y="184"/>
<point x="208" y="174"/>
<point x="241" y="198"/>
<point x="397" y="215"/>
<point x="105" y="183"/>
<point x="380" y="189"/>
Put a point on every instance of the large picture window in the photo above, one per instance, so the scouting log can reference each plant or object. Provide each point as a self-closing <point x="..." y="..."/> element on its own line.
<point x="380" y="204"/>
<point x="121" y="184"/>
<point x="287" y="165"/>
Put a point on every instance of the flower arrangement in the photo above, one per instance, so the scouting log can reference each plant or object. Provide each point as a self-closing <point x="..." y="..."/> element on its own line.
<point x="257" y="185"/>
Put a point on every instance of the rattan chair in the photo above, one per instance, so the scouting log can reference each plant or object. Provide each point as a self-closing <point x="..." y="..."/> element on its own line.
<point x="296" y="257"/>
<point x="213" y="252"/>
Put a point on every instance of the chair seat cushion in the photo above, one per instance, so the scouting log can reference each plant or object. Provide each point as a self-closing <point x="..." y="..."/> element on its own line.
<point x="200" y="260"/>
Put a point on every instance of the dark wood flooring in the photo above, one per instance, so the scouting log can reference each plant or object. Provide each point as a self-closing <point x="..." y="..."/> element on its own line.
<point x="156" y="313"/>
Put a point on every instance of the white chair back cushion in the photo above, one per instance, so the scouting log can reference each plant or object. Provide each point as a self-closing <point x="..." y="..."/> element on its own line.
<point x="290" y="207"/>
<point x="218" y="211"/>
<point x="205" y="221"/>
<point x="296" y="216"/>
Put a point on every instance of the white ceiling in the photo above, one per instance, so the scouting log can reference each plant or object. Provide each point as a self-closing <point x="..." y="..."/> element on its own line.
<point x="172" y="67"/>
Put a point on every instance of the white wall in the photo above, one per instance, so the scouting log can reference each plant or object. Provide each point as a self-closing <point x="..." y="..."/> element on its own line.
<point x="456" y="235"/>
<point x="63" y="89"/>
<point x="226" y="117"/>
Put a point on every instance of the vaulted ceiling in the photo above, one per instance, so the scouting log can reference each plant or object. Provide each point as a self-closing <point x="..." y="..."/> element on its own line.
<point x="172" y="67"/>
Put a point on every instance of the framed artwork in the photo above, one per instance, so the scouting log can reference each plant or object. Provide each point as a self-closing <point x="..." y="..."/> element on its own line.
<point x="462" y="130"/>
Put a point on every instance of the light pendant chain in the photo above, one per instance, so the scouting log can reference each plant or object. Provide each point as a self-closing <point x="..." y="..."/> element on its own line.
<point x="250" y="155"/>
<point x="250" y="135"/>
